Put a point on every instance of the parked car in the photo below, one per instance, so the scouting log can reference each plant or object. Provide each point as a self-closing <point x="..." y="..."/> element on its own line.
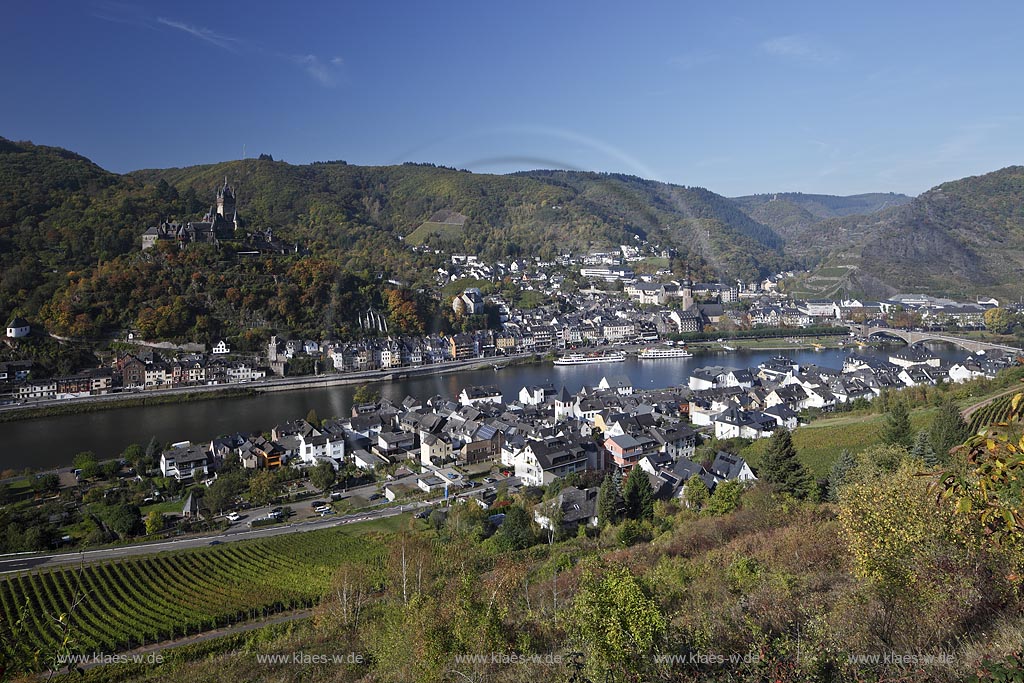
<point x="234" y="516"/>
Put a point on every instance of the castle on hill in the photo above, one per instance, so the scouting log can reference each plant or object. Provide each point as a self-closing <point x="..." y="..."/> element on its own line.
<point x="219" y="223"/>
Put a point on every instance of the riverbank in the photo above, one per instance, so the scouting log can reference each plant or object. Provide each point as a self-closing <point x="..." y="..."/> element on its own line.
<point x="777" y="344"/>
<point x="93" y="403"/>
<point x="156" y="397"/>
<point x="53" y="441"/>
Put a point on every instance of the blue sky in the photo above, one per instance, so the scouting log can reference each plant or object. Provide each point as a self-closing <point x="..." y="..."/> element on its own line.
<point x="736" y="97"/>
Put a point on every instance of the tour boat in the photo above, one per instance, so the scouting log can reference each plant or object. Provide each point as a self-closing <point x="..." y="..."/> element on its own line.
<point x="588" y="358"/>
<point x="655" y="353"/>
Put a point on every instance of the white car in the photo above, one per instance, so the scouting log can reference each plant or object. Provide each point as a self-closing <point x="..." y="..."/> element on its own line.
<point x="234" y="516"/>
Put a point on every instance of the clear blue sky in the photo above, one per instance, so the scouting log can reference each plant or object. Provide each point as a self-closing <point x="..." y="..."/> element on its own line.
<point x="736" y="97"/>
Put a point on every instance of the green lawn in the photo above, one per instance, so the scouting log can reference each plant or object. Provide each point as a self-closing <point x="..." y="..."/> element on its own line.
<point x="820" y="443"/>
<point x="167" y="506"/>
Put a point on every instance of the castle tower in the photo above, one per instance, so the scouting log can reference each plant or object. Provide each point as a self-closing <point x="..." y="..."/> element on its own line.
<point x="226" y="201"/>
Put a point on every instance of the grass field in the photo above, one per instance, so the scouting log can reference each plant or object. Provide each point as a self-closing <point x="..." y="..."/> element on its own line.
<point x="168" y="506"/>
<point x="131" y="602"/>
<point x="428" y="228"/>
<point x="820" y="443"/>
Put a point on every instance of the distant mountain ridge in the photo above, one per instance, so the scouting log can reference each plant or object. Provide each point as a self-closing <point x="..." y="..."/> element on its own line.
<point x="961" y="238"/>
<point x="799" y="218"/>
<point x="830" y="206"/>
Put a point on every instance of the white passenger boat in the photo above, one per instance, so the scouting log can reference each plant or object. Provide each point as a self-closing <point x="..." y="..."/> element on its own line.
<point x="588" y="358"/>
<point x="656" y="353"/>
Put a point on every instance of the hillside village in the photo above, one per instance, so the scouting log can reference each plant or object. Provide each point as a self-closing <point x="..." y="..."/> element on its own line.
<point x="646" y="310"/>
<point x="620" y="296"/>
<point x="546" y="435"/>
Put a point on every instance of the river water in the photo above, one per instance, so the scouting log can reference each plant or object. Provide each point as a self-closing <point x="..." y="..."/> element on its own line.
<point x="53" y="441"/>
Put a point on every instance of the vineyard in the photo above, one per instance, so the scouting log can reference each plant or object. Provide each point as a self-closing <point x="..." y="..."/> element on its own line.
<point x="995" y="412"/>
<point x="128" y="603"/>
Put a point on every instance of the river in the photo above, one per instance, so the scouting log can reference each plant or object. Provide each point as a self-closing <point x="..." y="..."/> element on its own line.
<point x="53" y="441"/>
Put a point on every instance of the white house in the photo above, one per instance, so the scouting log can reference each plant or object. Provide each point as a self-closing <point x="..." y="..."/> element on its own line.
<point x="539" y="463"/>
<point x="243" y="372"/>
<point x="473" y="395"/>
<point x="961" y="372"/>
<point x="322" y="448"/>
<point x="620" y="383"/>
<point x="365" y="460"/>
<point x="431" y="483"/>
<point x="184" y="460"/>
<point x="729" y="467"/>
<point x="221" y="348"/>
<point x="18" y="328"/>
<point x="735" y="423"/>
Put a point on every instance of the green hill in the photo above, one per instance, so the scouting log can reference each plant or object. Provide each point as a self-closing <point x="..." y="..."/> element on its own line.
<point x="70" y="237"/>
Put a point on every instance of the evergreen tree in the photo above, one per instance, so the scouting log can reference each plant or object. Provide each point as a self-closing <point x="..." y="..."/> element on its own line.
<point x="837" y="475"/>
<point x="948" y="430"/>
<point x="782" y="467"/>
<point x="638" y="496"/>
<point x="897" y="431"/>
<point x="922" y="449"/>
<point x="607" y="502"/>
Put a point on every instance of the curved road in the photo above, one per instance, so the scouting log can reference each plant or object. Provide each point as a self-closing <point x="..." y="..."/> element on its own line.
<point x="30" y="561"/>
<point x="21" y="562"/>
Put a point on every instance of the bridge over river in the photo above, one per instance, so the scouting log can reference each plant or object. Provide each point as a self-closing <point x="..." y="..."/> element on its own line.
<point x="916" y="337"/>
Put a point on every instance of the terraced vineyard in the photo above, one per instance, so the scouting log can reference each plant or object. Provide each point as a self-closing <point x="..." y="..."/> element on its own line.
<point x="132" y="602"/>
<point x="995" y="412"/>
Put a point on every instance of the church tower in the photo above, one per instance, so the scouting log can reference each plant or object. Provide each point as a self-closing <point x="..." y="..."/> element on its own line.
<point x="686" y="292"/>
<point x="226" y="201"/>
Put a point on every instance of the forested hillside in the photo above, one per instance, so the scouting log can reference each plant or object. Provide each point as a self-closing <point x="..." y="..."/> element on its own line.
<point x="809" y="222"/>
<point x="962" y="238"/>
<point x="71" y="257"/>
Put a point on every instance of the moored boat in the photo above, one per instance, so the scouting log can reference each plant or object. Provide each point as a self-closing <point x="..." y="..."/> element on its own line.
<point x="588" y="358"/>
<point x="656" y="353"/>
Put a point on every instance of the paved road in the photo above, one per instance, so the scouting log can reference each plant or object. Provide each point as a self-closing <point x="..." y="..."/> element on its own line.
<point x="236" y="532"/>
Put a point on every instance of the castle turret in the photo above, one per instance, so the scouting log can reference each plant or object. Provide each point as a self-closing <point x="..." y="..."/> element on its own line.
<point x="226" y="201"/>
